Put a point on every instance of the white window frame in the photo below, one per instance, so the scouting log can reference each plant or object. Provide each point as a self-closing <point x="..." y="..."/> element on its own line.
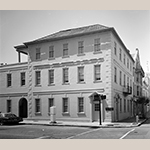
<point x="37" y="105"/>
<point x="37" y="78"/>
<point x="38" y="54"/>
<point x="79" y="106"/>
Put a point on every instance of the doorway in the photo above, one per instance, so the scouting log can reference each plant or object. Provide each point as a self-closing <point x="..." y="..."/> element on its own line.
<point x="96" y="111"/>
<point x="117" y="110"/>
<point x="23" y="108"/>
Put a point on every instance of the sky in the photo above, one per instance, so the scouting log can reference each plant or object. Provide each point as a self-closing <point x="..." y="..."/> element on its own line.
<point x="19" y="26"/>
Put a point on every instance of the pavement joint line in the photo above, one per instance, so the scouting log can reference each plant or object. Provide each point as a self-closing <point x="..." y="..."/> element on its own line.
<point x="127" y="133"/>
<point x="83" y="133"/>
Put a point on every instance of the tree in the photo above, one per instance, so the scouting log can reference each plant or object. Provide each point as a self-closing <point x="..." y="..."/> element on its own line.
<point x="142" y="101"/>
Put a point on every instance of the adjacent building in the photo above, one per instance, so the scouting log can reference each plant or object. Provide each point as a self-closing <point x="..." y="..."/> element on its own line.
<point x="138" y="84"/>
<point x="146" y="91"/>
<point x="66" y="69"/>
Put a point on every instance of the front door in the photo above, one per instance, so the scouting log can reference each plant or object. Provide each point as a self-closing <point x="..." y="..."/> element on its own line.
<point x="117" y="110"/>
<point x="96" y="111"/>
<point x="23" y="108"/>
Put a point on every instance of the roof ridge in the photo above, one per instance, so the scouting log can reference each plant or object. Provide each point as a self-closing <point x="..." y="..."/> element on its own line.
<point x="83" y="27"/>
<point x="71" y="31"/>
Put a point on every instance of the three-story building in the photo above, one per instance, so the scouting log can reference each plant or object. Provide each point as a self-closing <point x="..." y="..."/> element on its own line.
<point x="64" y="70"/>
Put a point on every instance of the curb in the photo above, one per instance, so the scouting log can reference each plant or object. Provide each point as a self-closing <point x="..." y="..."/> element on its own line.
<point x="88" y="126"/>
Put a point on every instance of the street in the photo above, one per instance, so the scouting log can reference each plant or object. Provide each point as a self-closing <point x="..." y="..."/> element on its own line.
<point x="141" y="132"/>
<point x="23" y="131"/>
<point x="38" y="132"/>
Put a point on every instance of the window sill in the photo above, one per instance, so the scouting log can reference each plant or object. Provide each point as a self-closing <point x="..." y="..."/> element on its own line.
<point x="65" y="114"/>
<point x="38" y="59"/>
<point x="38" y="113"/>
<point x="99" y="81"/>
<point x="38" y="85"/>
<point x="82" y="82"/>
<point x="51" y="84"/>
<point x="81" y="113"/>
<point x="66" y="84"/>
<point x="65" y="56"/>
<point x="9" y="86"/>
<point x="82" y="54"/>
<point x="97" y="52"/>
<point x="51" y="58"/>
<point x="22" y="85"/>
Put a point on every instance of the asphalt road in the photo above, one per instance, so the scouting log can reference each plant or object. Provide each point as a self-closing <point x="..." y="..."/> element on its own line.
<point x="58" y="132"/>
<point x="141" y="132"/>
<point x="38" y="132"/>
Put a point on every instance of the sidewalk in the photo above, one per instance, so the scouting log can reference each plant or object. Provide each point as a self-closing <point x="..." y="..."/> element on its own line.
<point x="127" y="123"/>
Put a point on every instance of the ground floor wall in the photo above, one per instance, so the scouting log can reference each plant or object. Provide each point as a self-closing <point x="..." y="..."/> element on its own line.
<point x="90" y="107"/>
<point x="14" y="105"/>
<point x="123" y="105"/>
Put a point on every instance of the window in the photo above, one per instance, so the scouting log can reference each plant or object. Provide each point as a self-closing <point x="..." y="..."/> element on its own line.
<point x="97" y="72"/>
<point x="130" y="83"/>
<point x="115" y="75"/>
<point x="80" y="74"/>
<point x="65" y="49"/>
<point x="130" y="66"/>
<point x="128" y="63"/>
<point x="65" y="105"/>
<point x="37" y="78"/>
<point x="131" y="106"/>
<point x="50" y="103"/>
<point x="37" y="106"/>
<point x="51" y="77"/>
<point x="51" y="52"/>
<point x="8" y="106"/>
<point x="80" y="104"/>
<point x="8" y="80"/>
<point x="128" y="105"/>
<point x="124" y="105"/>
<point x="115" y="48"/>
<point x="120" y="54"/>
<point x="120" y="104"/>
<point x="124" y="59"/>
<point x="38" y="54"/>
<point x="120" y="78"/>
<point x="138" y="92"/>
<point x="80" y="47"/>
<point x="137" y="79"/>
<point x="96" y="107"/>
<point x="23" y="78"/>
<point x="65" y="75"/>
<point x="124" y="80"/>
<point x="97" y="45"/>
<point x="127" y="81"/>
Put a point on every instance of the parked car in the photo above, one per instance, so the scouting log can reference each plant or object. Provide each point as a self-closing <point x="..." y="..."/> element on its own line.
<point x="9" y="118"/>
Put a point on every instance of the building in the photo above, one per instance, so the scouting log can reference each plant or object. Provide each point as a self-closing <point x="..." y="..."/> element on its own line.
<point x="146" y="91"/>
<point x="137" y="84"/>
<point x="67" y="69"/>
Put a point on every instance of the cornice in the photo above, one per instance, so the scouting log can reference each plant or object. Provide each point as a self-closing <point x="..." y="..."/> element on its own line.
<point x="68" y="92"/>
<point x="69" y="63"/>
<point x="13" y="94"/>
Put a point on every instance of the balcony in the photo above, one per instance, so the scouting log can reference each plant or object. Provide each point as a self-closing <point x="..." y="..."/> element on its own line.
<point x="127" y="90"/>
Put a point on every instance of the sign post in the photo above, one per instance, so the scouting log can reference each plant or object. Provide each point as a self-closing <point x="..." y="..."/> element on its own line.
<point x="99" y="97"/>
<point x="100" y="122"/>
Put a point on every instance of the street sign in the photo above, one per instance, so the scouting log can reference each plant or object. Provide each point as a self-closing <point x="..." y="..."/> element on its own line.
<point x="109" y="108"/>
